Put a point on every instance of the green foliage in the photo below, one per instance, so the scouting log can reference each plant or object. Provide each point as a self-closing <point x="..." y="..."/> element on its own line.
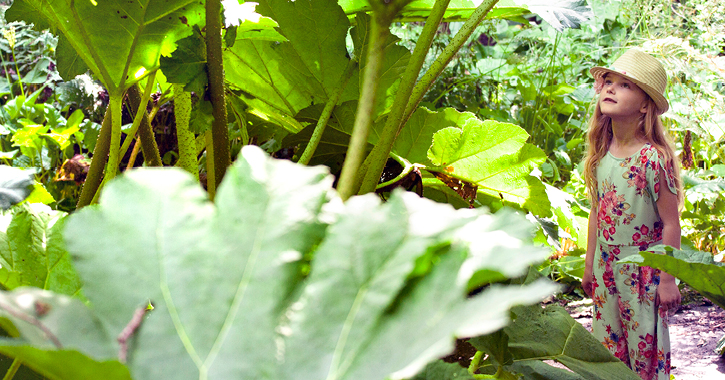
<point x="440" y="370"/>
<point x="387" y="285"/>
<point x="15" y="185"/>
<point x="188" y="64"/>
<point x="40" y="137"/>
<point x="99" y="34"/>
<point x="549" y="334"/>
<point x="495" y="157"/>
<point x="695" y="268"/>
<point x="32" y="251"/>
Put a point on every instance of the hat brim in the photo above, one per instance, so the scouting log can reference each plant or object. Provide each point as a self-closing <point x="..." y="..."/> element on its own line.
<point x="659" y="99"/>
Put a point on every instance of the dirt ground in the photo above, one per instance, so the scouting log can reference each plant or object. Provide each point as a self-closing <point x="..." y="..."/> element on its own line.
<point x="694" y="333"/>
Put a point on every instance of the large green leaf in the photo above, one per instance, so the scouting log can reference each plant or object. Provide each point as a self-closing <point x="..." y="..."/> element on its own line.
<point x="65" y="364"/>
<point x="560" y="14"/>
<point x="394" y="62"/>
<point x="214" y="275"/>
<point x="54" y="328"/>
<point x="116" y="39"/>
<point x="495" y="157"/>
<point x="287" y="76"/>
<point x="224" y="278"/>
<point x="416" y="137"/>
<point x="32" y="252"/>
<point x="356" y="289"/>
<point x="440" y="370"/>
<point x="188" y="63"/>
<point x="701" y="274"/>
<point x="552" y="334"/>
<point x="458" y="10"/>
<point x="15" y="185"/>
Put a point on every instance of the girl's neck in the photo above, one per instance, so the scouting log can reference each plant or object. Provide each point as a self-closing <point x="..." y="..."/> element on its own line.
<point x="625" y="139"/>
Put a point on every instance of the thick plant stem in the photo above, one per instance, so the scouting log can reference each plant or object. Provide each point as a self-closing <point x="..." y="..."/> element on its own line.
<point x="184" y="136"/>
<point x="220" y="133"/>
<point x="100" y="157"/>
<point x="349" y="182"/>
<point x="374" y="164"/>
<point x="446" y="56"/>
<point x="14" y="367"/>
<point x="325" y="116"/>
<point x="140" y="113"/>
<point x="150" y="149"/>
<point x="114" y="103"/>
<point x="210" y="182"/>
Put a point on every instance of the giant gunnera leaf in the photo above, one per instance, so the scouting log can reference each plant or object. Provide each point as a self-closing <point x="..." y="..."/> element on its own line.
<point x="492" y="155"/>
<point x="118" y="40"/>
<point x="15" y="185"/>
<point x="32" y="252"/>
<point x="278" y="279"/>
<point x="551" y="334"/>
<point x="691" y="267"/>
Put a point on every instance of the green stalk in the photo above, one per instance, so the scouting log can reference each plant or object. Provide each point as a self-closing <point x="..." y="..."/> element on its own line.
<point x="347" y="185"/>
<point x="17" y="70"/>
<point x="140" y="112"/>
<point x="446" y="56"/>
<point x="146" y="136"/>
<point x="114" y="103"/>
<point x="325" y="116"/>
<point x="210" y="182"/>
<point x="100" y="157"/>
<point x="14" y="367"/>
<point x="375" y="163"/>
<point x="184" y="136"/>
<point x="7" y="75"/>
<point x="220" y="133"/>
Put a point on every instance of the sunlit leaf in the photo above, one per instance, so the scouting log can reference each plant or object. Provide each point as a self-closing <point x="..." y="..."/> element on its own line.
<point x="495" y="157"/>
<point x="15" y="185"/>
<point x="113" y="38"/>
<point x="33" y="251"/>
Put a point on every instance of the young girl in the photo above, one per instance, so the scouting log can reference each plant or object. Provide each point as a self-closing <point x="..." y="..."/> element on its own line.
<point x="634" y="184"/>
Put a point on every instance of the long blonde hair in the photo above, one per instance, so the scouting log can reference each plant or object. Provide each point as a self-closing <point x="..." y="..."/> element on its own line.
<point x="650" y="128"/>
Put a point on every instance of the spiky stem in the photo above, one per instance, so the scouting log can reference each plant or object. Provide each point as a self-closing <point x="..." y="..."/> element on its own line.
<point x="446" y="56"/>
<point x="100" y="157"/>
<point x="184" y="136"/>
<point x="220" y="133"/>
<point x="114" y="103"/>
<point x="325" y="116"/>
<point x="347" y="185"/>
<point x="146" y="136"/>
<point x="375" y="163"/>
<point x="140" y="113"/>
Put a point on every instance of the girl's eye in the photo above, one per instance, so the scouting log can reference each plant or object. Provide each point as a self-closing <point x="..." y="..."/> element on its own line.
<point x="625" y="85"/>
<point x="607" y="82"/>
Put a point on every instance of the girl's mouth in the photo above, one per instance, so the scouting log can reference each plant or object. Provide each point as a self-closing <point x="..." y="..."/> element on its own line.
<point x="609" y="100"/>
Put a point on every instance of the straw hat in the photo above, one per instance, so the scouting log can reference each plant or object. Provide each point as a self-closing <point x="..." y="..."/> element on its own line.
<point x="642" y="69"/>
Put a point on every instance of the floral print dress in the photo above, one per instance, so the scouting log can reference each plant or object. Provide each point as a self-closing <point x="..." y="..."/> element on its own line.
<point x="625" y="319"/>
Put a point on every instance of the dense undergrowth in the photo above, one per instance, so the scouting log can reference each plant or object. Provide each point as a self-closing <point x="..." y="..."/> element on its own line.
<point x="502" y="128"/>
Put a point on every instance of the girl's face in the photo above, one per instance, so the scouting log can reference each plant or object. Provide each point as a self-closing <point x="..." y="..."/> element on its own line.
<point x="621" y="98"/>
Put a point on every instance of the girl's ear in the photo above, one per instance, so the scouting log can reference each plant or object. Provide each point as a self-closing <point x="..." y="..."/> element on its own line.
<point x="645" y="105"/>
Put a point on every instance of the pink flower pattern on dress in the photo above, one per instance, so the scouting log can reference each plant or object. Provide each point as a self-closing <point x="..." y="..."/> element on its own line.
<point x="611" y="211"/>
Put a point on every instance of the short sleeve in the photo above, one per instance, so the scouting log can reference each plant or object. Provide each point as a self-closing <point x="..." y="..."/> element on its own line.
<point x="655" y="164"/>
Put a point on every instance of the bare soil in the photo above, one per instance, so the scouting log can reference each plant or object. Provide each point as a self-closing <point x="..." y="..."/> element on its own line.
<point x="694" y="333"/>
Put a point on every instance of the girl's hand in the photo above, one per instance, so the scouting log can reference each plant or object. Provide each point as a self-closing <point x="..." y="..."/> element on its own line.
<point x="668" y="296"/>
<point x="588" y="281"/>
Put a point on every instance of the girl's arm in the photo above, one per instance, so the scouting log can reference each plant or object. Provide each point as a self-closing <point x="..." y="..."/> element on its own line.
<point x="668" y="295"/>
<point x="588" y="279"/>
